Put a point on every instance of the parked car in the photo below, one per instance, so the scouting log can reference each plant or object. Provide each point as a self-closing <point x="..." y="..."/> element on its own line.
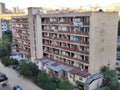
<point x="17" y="87"/>
<point x="3" y="77"/>
<point x="14" y="66"/>
<point x="118" y="57"/>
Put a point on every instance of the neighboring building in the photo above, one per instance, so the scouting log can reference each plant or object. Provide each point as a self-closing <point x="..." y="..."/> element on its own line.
<point x="2" y="8"/>
<point x="5" y="21"/>
<point x="5" y="25"/>
<point x="21" y="38"/>
<point x="9" y="16"/>
<point x="15" y="10"/>
<point x="74" y="46"/>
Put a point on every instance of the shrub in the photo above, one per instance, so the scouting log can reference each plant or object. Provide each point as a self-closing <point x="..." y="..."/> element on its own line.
<point x="7" y="61"/>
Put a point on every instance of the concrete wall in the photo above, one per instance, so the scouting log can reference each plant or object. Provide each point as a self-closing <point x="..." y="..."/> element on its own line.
<point x="32" y="32"/>
<point x="76" y="77"/>
<point x="103" y="40"/>
<point x="34" y="19"/>
<point x="95" y="84"/>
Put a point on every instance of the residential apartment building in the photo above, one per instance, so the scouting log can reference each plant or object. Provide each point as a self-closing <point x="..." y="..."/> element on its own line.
<point x="74" y="46"/>
<point x="21" y="38"/>
<point x="5" y="25"/>
<point x="5" y="22"/>
<point x="2" y="8"/>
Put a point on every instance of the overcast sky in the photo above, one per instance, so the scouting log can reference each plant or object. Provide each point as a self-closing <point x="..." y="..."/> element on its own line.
<point x="55" y="3"/>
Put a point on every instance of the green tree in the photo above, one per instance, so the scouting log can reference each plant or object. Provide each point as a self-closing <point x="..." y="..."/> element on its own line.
<point x="6" y="44"/>
<point x="119" y="28"/>
<point x="110" y="78"/>
<point x="65" y="85"/>
<point x="7" y="35"/>
<point x="46" y="82"/>
<point x="7" y="61"/>
<point x="28" y="69"/>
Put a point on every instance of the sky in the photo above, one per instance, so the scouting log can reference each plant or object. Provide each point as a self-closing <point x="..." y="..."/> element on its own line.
<point x="55" y="3"/>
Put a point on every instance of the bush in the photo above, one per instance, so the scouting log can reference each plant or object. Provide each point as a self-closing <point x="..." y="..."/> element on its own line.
<point x="65" y="85"/>
<point x="7" y="61"/>
<point x="30" y="70"/>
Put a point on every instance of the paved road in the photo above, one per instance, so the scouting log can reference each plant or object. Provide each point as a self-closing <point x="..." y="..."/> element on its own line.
<point x="14" y="79"/>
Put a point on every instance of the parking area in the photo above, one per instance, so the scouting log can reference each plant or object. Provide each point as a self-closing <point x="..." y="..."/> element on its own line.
<point x="15" y="79"/>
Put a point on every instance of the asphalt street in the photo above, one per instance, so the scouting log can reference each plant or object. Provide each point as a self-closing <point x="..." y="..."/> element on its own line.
<point x="15" y="79"/>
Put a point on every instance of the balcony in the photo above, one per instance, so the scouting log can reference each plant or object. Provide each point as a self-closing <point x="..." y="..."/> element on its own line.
<point x="65" y="40"/>
<point x="25" y="45"/>
<point x="56" y="22"/>
<point x="21" y="39"/>
<point x="69" y="57"/>
<point x="24" y="50"/>
<point x="20" y="27"/>
<point x="22" y="33"/>
<point x="68" y="49"/>
<point x="67" y="32"/>
<point x="86" y="23"/>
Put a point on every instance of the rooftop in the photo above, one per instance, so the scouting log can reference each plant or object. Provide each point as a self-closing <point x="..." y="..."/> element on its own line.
<point x="58" y="66"/>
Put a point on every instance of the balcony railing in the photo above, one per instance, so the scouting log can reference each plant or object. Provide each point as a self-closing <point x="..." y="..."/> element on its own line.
<point x="65" y="40"/>
<point x="27" y="40"/>
<point x="24" y="50"/>
<point x="20" y="27"/>
<point x="68" y="49"/>
<point x="67" y="32"/>
<point x="56" y="22"/>
<point x="22" y="33"/>
<point x="86" y="23"/>
<point x="21" y="21"/>
<point x="22" y="44"/>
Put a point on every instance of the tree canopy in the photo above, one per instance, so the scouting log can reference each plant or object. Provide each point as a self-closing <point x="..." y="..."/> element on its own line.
<point x="6" y="44"/>
<point x="119" y="28"/>
<point x="110" y="79"/>
<point x="28" y="69"/>
<point x="42" y="79"/>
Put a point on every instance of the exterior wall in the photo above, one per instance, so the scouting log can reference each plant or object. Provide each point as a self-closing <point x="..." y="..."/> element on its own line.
<point x="74" y="78"/>
<point x="21" y="38"/>
<point x="39" y="44"/>
<point x="95" y="84"/>
<point x="40" y="65"/>
<point x="103" y="40"/>
<point x="32" y="45"/>
<point x="35" y="34"/>
<point x="78" y="77"/>
<point x="100" y="40"/>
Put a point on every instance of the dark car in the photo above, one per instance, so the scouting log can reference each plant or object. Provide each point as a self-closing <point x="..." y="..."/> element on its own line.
<point x="3" y="77"/>
<point x="14" y="66"/>
<point x="17" y="87"/>
<point x="118" y="57"/>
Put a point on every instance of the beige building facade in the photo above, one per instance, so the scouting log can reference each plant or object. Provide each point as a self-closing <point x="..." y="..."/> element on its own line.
<point x="73" y="46"/>
<point x="21" y="34"/>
